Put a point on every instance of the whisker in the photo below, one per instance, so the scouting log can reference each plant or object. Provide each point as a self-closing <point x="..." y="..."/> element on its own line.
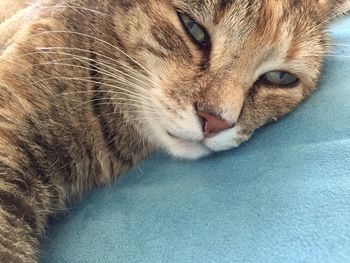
<point x="34" y="53"/>
<point x="338" y="56"/>
<point x="143" y="103"/>
<point x="84" y="80"/>
<point x="126" y="120"/>
<point x="76" y="56"/>
<point x="105" y="92"/>
<point x="91" y="10"/>
<point x="115" y="79"/>
<point x="341" y="45"/>
<point x="94" y="38"/>
<point x="82" y="58"/>
<point x="76" y="8"/>
<point x="95" y="53"/>
<point x="337" y="13"/>
<point x="113" y="100"/>
<point x="130" y="104"/>
<point x="325" y="55"/>
<point x="90" y="91"/>
<point x="135" y="99"/>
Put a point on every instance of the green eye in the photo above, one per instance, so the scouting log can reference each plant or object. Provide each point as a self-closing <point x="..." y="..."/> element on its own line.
<point x="196" y="32"/>
<point x="280" y="78"/>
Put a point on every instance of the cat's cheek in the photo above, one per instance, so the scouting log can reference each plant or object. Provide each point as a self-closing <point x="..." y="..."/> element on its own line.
<point x="226" y="140"/>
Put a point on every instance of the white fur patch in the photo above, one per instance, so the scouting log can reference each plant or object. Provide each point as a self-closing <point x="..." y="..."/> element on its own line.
<point x="181" y="134"/>
<point x="226" y="140"/>
<point x="184" y="126"/>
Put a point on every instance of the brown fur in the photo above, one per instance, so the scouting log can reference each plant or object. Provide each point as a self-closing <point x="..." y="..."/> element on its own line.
<point x="71" y="118"/>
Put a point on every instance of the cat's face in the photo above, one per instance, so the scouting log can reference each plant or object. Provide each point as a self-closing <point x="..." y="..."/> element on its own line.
<point x="219" y="69"/>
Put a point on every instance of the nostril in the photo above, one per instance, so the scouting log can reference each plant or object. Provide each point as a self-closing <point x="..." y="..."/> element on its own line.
<point x="213" y="124"/>
<point x="203" y="122"/>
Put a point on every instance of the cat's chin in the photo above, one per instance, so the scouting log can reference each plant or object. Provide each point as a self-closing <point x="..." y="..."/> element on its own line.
<point x="226" y="140"/>
<point x="192" y="150"/>
<point x="185" y="149"/>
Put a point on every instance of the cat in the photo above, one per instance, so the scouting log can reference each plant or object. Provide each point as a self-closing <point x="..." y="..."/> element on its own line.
<point x="88" y="88"/>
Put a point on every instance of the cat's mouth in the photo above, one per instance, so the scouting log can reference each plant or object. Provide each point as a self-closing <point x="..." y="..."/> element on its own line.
<point x="221" y="141"/>
<point x="183" y="139"/>
<point x="193" y="137"/>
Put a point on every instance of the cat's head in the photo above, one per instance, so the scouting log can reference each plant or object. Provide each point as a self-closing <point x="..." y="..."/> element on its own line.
<point x="219" y="69"/>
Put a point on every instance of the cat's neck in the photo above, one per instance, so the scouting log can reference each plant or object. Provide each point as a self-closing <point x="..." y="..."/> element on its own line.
<point x="60" y="70"/>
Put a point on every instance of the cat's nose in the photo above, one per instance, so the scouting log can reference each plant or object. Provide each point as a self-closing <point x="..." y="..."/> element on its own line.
<point x="213" y="124"/>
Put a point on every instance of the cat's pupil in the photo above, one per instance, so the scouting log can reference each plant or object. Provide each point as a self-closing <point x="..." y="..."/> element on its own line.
<point x="198" y="34"/>
<point x="280" y="78"/>
<point x="196" y="31"/>
<point x="282" y="75"/>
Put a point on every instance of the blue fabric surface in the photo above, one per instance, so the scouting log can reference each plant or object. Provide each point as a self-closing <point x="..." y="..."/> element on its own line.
<point x="282" y="197"/>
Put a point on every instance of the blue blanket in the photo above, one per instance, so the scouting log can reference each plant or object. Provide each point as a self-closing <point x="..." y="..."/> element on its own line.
<point x="282" y="197"/>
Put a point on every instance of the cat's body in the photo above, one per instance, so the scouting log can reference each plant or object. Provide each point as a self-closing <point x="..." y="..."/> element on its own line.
<point x="54" y="148"/>
<point x="89" y="88"/>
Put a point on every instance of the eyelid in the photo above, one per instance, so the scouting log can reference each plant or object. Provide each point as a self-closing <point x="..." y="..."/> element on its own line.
<point x="264" y="80"/>
<point x="205" y="44"/>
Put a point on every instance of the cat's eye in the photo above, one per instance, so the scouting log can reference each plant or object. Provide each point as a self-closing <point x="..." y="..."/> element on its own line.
<point x="197" y="33"/>
<point x="280" y="78"/>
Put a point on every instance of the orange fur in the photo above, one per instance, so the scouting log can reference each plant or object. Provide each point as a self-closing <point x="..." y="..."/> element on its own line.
<point x="88" y="88"/>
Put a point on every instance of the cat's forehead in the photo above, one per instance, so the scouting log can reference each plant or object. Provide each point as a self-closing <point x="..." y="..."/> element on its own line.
<point x="221" y="9"/>
<point x="270" y="21"/>
<point x="248" y="32"/>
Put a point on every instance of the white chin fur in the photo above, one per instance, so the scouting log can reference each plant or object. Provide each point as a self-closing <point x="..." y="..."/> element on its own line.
<point x="226" y="140"/>
<point x="186" y="149"/>
<point x="192" y="150"/>
<point x="179" y="148"/>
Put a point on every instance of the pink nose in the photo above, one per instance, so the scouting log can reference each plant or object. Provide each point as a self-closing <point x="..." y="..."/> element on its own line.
<point x="213" y="124"/>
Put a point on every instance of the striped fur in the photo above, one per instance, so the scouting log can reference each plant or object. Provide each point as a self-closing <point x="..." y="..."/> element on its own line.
<point x="88" y="88"/>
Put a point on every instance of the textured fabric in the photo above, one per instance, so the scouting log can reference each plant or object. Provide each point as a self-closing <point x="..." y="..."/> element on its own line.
<point x="282" y="197"/>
